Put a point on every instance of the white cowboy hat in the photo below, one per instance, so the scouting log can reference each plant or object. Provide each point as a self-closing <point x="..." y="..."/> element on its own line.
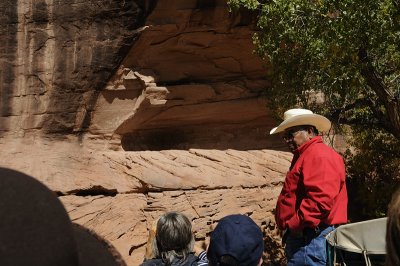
<point x="300" y="117"/>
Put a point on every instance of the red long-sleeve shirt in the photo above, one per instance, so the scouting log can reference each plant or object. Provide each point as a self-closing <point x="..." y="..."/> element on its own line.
<point x="314" y="190"/>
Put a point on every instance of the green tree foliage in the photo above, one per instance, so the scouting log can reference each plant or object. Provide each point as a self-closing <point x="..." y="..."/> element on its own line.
<point x="340" y="58"/>
<point x="374" y="172"/>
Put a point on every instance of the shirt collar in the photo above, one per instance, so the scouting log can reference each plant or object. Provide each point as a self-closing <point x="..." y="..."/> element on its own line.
<point x="304" y="146"/>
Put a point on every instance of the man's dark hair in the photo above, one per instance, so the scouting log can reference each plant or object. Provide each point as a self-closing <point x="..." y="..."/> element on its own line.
<point x="307" y="127"/>
<point x="315" y="130"/>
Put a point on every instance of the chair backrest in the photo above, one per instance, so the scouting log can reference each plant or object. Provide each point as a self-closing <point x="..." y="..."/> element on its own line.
<point x="361" y="243"/>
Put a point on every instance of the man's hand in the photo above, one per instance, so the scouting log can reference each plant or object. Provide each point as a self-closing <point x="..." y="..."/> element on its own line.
<point x="149" y="245"/>
<point x="200" y="246"/>
<point x="281" y="232"/>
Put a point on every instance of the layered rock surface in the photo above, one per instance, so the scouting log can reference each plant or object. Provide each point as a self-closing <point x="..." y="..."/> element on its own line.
<point x="127" y="109"/>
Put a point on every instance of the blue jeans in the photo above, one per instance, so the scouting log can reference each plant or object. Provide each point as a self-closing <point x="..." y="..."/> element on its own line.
<point x="308" y="250"/>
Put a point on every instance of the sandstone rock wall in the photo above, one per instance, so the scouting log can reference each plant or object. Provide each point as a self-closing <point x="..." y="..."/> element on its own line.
<point x="57" y="55"/>
<point x="127" y="109"/>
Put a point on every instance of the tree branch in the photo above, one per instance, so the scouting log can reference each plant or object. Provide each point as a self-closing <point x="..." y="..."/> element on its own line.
<point x="380" y="121"/>
<point x="385" y="95"/>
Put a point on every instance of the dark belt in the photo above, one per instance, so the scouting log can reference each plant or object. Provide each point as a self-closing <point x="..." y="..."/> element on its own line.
<point x="309" y="232"/>
<point x="321" y="227"/>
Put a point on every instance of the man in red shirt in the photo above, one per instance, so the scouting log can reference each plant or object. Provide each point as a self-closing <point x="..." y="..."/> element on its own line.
<point x="313" y="199"/>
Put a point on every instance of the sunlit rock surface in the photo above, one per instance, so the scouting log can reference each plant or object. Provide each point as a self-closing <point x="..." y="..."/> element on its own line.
<point x="129" y="109"/>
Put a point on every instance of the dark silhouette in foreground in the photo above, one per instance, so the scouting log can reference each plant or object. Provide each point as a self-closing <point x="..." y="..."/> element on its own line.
<point x="35" y="228"/>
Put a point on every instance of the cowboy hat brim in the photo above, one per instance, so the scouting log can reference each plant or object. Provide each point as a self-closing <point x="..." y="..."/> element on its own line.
<point x="320" y="122"/>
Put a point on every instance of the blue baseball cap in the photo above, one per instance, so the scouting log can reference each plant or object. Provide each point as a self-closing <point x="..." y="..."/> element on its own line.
<point x="237" y="236"/>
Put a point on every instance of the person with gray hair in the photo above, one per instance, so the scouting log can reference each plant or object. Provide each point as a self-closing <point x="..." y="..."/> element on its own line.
<point x="173" y="242"/>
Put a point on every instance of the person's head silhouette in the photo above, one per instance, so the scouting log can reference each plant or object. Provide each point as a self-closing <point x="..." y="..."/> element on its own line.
<point x="34" y="227"/>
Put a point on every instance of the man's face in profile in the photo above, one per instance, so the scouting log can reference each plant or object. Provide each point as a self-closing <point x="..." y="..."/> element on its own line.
<point x="296" y="136"/>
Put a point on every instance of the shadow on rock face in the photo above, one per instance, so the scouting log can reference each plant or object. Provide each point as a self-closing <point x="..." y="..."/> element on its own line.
<point x="220" y="137"/>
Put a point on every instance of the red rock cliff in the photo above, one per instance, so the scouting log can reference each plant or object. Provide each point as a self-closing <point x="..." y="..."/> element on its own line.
<point x="130" y="108"/>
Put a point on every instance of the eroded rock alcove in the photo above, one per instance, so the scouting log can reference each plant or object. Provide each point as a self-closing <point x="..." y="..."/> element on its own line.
<point x="127" y="109"/>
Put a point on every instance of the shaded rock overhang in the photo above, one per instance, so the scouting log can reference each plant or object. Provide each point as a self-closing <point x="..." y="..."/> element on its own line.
<point x="191" y="80"/>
